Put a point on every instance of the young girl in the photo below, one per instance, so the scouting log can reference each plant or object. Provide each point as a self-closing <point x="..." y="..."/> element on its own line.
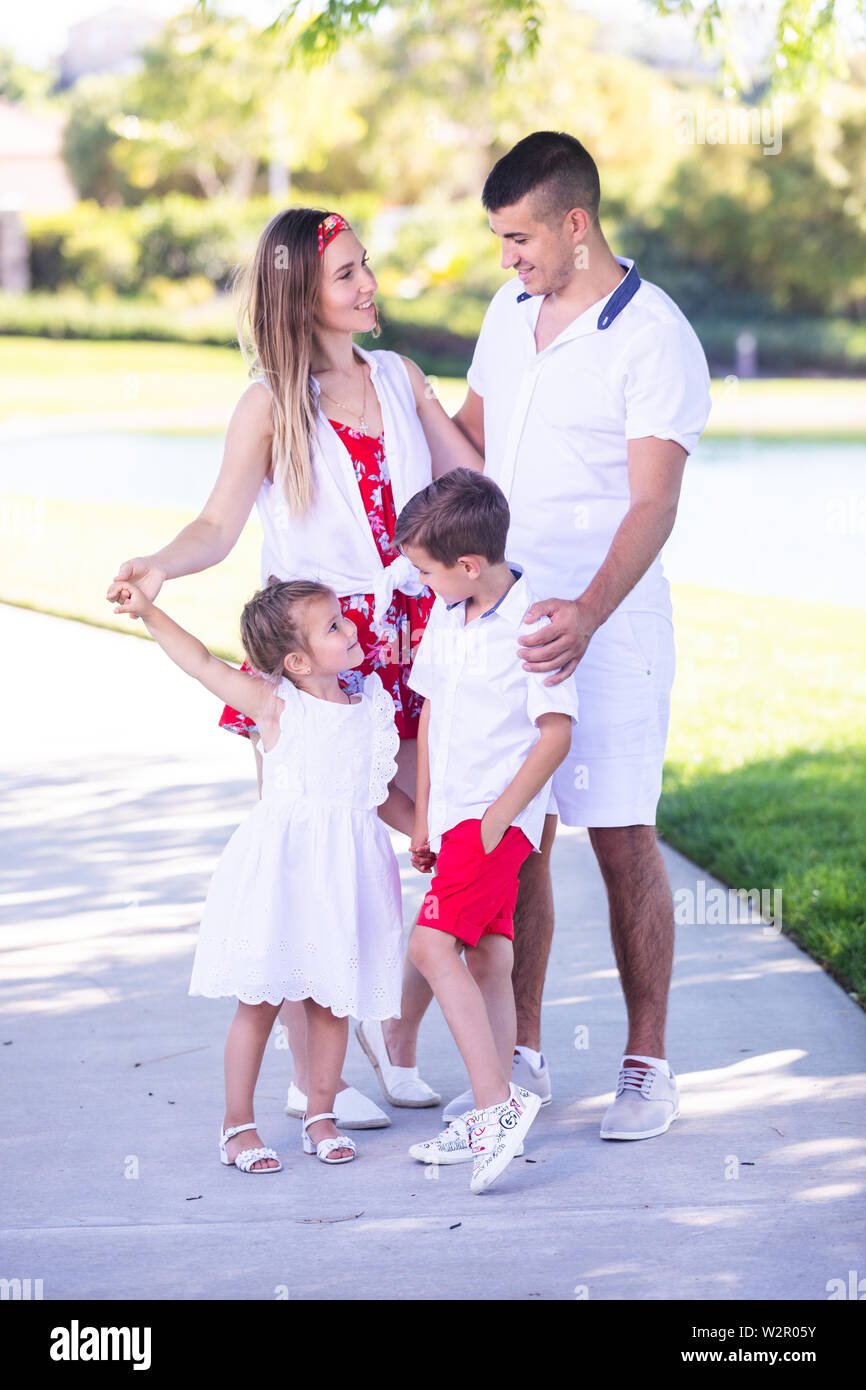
<point x="305" y="901"/>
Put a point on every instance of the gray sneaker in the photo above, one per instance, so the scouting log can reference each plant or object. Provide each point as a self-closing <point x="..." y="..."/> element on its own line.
<point x="522" y="1074"/>
<point x="647" y="1103"/>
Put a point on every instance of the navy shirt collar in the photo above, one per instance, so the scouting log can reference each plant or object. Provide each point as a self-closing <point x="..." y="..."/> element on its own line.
<point x="614" y="305"/>
<point x="516" y="570"/>
<point x="625" y="290"/>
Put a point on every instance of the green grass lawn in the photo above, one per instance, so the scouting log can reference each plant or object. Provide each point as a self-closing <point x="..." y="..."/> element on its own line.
<point x="186" y="387"/>
<point x="39" y="377"/>
<point x="765" y="775"/>
<point x="765" y="778"/>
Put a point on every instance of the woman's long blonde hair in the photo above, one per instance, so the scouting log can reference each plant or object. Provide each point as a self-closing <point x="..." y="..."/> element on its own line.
<point x="277" y="294"/>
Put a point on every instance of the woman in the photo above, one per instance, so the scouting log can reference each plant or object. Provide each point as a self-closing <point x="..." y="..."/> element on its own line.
<point x="329" y="441"/>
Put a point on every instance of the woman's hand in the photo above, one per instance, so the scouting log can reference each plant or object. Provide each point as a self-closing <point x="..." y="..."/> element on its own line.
<point x="492" y="829"/>
<point x="137" y="604"/>
<point x="141" y="572"/>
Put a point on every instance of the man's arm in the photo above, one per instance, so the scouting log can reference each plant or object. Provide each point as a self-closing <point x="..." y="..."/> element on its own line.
<point x="470" y="419"/>
<point x="449" y="446"/>
<point x="655" y="474"/>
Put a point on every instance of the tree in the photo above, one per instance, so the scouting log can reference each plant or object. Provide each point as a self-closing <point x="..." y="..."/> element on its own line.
<point x="215" y="101"/>
<point x="89" y="139"/>
<point x="18" y="82"/>
<point x="806" y="45"/>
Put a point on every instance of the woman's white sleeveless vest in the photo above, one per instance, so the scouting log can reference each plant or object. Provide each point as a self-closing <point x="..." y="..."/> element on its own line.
<point x="332" y="542"/>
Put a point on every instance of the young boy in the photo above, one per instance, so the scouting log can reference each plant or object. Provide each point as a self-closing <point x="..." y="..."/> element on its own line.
<point x="490" y="738"/>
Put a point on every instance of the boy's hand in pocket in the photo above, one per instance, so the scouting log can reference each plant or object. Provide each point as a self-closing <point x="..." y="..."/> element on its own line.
<point x="491" y="831"/>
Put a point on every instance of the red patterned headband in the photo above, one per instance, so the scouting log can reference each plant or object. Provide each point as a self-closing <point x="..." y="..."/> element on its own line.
<point x="328" y="229"/>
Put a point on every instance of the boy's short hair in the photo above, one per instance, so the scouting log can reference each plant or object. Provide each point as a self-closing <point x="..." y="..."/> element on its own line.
<point x="555" y="168"/>
<point x="461" y="513"/>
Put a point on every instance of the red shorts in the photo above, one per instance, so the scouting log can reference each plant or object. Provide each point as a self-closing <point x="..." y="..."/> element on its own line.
<point x="472" y="893"/>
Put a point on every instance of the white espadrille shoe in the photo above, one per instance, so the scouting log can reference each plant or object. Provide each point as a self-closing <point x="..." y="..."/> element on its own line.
<point x="354" y="1110"/>
<point x="401" y="1085"/>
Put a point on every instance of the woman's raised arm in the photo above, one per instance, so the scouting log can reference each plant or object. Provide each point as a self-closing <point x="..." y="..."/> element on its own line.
<point x="448" y="445"/>
<point x="208" y="539"/>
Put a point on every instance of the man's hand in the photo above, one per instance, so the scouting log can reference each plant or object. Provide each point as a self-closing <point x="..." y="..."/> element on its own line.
<point x="560" y="645"/>
<point x="142" y="572"/>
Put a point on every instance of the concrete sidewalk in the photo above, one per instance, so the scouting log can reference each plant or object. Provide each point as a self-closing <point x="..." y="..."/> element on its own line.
<point x="119" y="794"/>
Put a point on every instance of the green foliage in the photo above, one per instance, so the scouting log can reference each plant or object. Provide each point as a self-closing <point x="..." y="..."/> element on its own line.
<point x="89" y="140"/>
<point x="84" y="246"/>
<point x="740" y="225"/>
<point x="19" y="82"/>
<point x="438" y="329"/>
<point x="412" y="114"/>
<point x="806" y="47"/>
<point x="212" y="105"/>
<point x="70" y="313"/>
<point x="514" y="26"/>
<point x="805" y="51"/>
<point x="118" y="249"/>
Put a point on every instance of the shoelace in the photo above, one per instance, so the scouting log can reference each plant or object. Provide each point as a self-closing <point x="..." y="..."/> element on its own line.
<point x="634" y="1079"/>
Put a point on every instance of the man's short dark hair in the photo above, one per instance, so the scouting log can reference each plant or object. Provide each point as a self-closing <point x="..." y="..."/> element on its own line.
<point x="552" y="166"/>
<point x="461" y="513"/>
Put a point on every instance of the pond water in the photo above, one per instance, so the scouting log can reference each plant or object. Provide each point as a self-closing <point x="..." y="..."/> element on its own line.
<point x="782" y="518"/>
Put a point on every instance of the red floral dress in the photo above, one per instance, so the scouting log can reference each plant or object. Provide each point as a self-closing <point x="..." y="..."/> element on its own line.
<point x="406" y="617"/>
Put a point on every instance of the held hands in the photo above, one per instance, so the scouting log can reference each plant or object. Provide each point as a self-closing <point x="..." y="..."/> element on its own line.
<point x="561" y="643"/>
<point x="420" y="853"/>
<point x="137" y="604"/>
<point x="141" y="572"/>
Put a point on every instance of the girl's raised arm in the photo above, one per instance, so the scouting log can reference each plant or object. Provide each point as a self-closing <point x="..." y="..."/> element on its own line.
<point x="251" y="695"/>
<point x="208" y="539"/>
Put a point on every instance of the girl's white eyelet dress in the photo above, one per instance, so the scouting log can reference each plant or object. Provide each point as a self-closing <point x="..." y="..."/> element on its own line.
<point x="305" y="899"/>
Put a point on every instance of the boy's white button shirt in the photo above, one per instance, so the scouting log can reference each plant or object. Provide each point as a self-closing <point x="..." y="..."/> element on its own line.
<point x="483" y="708"/>
<point x="557" y="423"/>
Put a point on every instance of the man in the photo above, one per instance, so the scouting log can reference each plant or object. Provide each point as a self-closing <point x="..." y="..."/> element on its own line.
<point x="587" y="391"/>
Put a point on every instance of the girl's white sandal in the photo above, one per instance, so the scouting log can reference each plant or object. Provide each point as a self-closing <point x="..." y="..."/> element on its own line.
<point x="247" y="1157"/>
<point x="326" y="1146"/>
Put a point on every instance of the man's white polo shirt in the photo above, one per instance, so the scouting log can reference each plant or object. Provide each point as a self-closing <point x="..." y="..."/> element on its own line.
<point x="557" y="423"/>
<point x="483" y="708"/>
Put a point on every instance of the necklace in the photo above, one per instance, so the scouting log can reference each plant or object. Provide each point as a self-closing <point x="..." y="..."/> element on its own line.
<point x="363" y="416"/>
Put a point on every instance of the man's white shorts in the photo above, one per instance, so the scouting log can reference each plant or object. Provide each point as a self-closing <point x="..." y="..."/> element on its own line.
<point x="613" y="773"/>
